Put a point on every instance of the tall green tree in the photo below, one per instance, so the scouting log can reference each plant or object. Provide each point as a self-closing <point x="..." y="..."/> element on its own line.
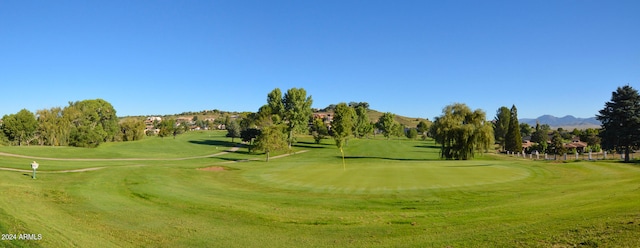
<point x="20" y="127"/>
<point x="296" y="112"/>
<point x="362" y="126"/>
<point x="513" y="140"/>
<point x="274" y="103"/>
<point x="53" y="129"/>
<point x="620" y="120"/>
<point x="387" y="124"/>
<point x="501" y="125"/>
<point x="92" y="122"/>
<point x="271" y="139"/>
<point x="342" y="126"/>
<point x="462" y="132"/>
<point x="233" y="130"/>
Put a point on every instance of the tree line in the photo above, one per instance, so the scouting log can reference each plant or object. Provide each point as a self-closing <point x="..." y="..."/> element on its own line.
<point x="85" y="123"/>
<point x="276" y="124"/>
<point x="460" y="131"/>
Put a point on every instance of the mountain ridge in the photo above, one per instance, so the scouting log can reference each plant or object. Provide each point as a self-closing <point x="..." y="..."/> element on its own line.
<point x="566" y="122"/>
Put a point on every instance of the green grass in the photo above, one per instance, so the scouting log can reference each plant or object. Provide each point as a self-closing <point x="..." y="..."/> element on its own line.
<point x="392" y="193"/>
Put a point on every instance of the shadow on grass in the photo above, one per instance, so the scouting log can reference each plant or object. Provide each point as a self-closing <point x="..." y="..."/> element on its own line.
<point x="469" y="166"/>
<point x="313" y="145"/>
<point x="428" y="146"/>
<point x="233" y="159"/>
<point x="383" y="158"/>
<point x="215" y="143"/>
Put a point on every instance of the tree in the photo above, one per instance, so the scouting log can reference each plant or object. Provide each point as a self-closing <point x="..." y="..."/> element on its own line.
<point x="540" y="136"/>
<point x="412" y="133"/>
<point x="274" y="103"/>
<point x="620" y="120"/>
<point x="423" y="127"/>
<point x="525" y="130"/>
<point x="557" y="144"/>
<point x="53" y="129"/>
<point x="319" y="130"/>
<point x="356" y="105"/>
<point x="296" y="112"/>
<point x="399" y="130"/>
<point x="271" y="139"/>
<point x="387" y="124"/>
<point x="132" y="129"/>
<point x="461" y="132"/>
<point x="167" y="127"/>
<point x="249" y="135"/>
<point x="233" y="130"/>
<point x="501" y="125"/>
<point x="590" y="135"/>
<point x="19" y="127"/>
<point x="513" y="140"/>
<point x="342" y="126"/>
<point x="92" y="122"/>
<point x="362" y="125"/>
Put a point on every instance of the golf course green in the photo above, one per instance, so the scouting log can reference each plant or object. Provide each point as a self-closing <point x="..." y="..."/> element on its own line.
<point x="202" y="190"/>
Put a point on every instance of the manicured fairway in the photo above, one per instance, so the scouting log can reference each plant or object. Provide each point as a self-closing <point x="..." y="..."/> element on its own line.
<point x="392" y="193"/>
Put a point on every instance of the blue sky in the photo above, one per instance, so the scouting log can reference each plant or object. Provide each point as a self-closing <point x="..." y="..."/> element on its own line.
<point x="407" y="57"/>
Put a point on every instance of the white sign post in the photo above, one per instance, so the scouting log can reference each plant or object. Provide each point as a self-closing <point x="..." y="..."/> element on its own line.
<point x="34" y="166"/>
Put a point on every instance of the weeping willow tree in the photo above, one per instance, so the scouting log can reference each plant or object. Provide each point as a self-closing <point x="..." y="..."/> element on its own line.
<point x="462" y="132"/>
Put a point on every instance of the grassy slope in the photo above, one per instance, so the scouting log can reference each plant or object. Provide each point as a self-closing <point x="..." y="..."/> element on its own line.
<point x="393" y="193"/>
<point x="407" y="121"/>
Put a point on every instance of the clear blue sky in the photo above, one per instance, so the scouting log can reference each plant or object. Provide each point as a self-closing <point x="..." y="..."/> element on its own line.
<point x="407" y="57"/>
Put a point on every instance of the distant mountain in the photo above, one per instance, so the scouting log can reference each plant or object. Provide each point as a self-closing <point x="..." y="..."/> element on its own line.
<point x="567" y="122"/>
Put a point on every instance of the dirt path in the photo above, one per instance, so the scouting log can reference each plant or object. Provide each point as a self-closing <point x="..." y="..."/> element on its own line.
<point x="3" y="154"/>
<point x="133" y="159"/>
<point x="61" y="171"/>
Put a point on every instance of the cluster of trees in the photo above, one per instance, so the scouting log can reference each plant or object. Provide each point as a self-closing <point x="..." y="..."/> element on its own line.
<point x="276" y="124"/>
<point x="284" y="116"/>
<point x="85" y="123"/>
<point x="507" y="131"/>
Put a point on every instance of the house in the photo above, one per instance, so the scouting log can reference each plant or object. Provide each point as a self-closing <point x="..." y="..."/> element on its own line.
<point x="576" y="144"/>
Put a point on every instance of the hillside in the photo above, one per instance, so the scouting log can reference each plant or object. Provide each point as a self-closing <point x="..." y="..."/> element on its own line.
<point x="374" y="115"/>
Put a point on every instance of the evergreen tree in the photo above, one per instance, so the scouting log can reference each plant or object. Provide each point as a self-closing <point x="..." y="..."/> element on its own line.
<point x="501" y="125"/>
<point x="513" y="140"/>
<point x="621" y="120"/>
